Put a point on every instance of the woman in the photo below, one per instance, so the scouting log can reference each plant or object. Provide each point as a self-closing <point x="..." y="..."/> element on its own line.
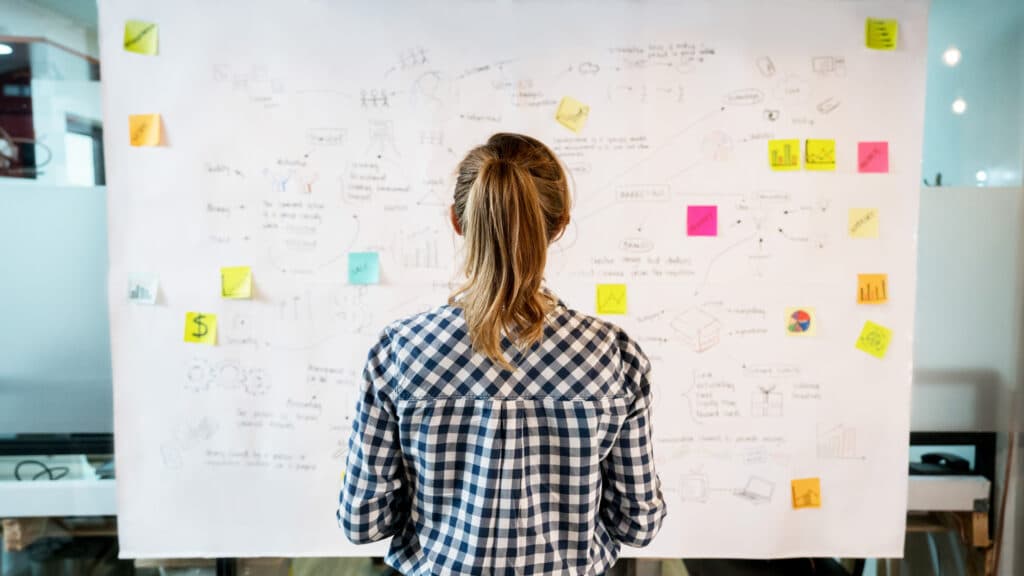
<point x="504" y="433"/>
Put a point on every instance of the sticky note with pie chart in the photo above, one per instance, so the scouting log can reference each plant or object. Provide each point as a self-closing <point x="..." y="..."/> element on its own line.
<point x="801" y="322"/>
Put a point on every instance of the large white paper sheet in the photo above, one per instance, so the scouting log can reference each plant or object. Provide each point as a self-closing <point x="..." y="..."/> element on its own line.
<point x="293" y="134"/>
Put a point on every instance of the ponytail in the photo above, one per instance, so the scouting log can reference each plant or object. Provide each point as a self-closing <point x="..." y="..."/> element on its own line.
<point x="511" y="201"/>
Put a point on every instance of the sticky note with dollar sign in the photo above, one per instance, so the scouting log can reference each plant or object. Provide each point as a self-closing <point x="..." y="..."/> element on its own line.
<point x="201" y="328"/>
<point x="236" y="282"/>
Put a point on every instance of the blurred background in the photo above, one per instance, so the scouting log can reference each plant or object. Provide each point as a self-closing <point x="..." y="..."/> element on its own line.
<point x="56" y="464"/>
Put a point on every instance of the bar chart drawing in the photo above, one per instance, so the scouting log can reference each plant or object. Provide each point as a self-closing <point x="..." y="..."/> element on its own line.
<point x="837" y="442"/>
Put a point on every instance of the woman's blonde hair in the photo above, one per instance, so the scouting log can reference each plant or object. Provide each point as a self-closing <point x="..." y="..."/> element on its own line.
<point x="511" y="201"/>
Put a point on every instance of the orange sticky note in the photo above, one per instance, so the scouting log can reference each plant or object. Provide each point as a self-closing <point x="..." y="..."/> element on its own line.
<point x="144" y="129"/>
<point x="872" y="289"/>
<point x="806" y="493"/>
<point x="784" y="155"/>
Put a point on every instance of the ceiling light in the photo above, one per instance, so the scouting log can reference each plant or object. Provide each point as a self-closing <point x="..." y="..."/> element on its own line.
<point x="981" y="176"/>
<point x="951" y="56"/>
<point x="5" y="49"/>
<point x="959" y="106"/>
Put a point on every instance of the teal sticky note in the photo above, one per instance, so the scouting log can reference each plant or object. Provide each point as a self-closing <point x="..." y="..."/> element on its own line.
<point x="363" y="268"/>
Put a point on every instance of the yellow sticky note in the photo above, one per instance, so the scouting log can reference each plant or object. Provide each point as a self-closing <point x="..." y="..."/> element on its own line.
<point x="141" y="37"/>
<point x="872" y="289"/>
<point x="611" y="298"/>
<point x="821" y="155"/>
<point x="236" y="282"/>
<point x="201" y="328"/>
<point x="806" y="493"/>
<point x="874" y="339"/>
<point x="881" y="34"/>
<point x="572" y="114"/>
<point x="863" y="222"/>
<point x="784" y="154"/>
<point x="144" y="129"/>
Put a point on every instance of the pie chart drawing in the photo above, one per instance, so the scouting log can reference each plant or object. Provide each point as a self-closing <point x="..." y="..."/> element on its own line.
<point x="801" y="322"/>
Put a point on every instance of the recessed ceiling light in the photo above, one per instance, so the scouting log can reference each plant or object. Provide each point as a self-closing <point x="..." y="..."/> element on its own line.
<point x="959" y="106"/>
<point x="5" y="50"/>
<point x="981" y="176"/>
<point x="951" y="56"/>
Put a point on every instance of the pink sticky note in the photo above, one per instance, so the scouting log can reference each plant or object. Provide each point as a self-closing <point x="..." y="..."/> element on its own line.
<point x="873" y="157"/>
<point x="702" y="220"/>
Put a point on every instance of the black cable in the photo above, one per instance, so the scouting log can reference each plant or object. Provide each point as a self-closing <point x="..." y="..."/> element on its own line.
<point x="60" y="471"/>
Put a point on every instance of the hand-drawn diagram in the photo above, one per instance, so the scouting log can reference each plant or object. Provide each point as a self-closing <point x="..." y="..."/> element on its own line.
<point x="699" y="330"/>
<point x="345" y="138"/>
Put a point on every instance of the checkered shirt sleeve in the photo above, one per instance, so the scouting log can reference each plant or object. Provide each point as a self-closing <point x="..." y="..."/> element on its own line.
<point x="375" y="498"/>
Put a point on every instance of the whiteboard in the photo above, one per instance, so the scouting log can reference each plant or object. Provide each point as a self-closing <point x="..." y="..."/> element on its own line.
<point x="293" y="136"/>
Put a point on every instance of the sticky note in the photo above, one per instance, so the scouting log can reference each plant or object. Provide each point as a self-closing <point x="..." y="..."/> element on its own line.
<point x="872" y="157"/>
<point x="702" y="220"/>
<point x="141" y="37"/>
<point x="572" y="114"/>
<point x="611" y="298"/>
<point x="142" y="289"/>
<point x="784" y="155"/>
<point x="363" y="268"/>
<point x="821" y="155"/>
<point x="881" y="34"/>
<point x="863" y="222"/>
<point x="801" y="322"/>
<point x="874" y="339"/>
<point x="201" y="328"/>
<point x="236" y="282"/>
<point x="144" y="129"/>
<point x="871" y="288"/>
<point x="806" y="493"/>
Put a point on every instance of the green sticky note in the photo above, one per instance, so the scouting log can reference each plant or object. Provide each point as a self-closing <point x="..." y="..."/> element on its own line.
<point x="881" y="34"/>
<point x="236" y="282"/>
<point x="874" y="339"/>
<point x="141" y="37"/>
<point x="363" y="268"/>
<point x="611" y="299"/>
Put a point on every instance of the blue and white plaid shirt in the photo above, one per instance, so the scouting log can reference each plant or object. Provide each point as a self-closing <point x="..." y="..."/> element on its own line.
<point x="478" y="470"/>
